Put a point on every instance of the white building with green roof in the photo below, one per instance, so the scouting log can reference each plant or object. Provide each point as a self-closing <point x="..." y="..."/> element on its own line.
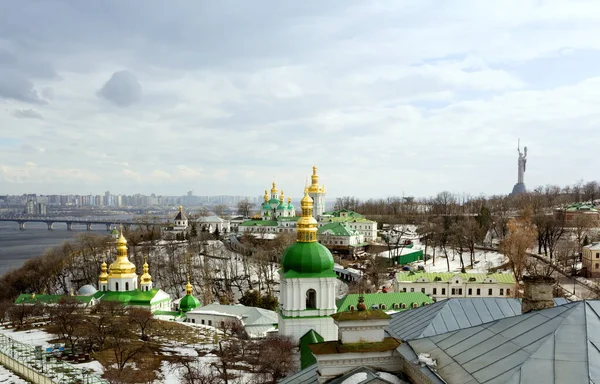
<point x="121" y="283"/>
<point x="355" y="221"/>
<point x="445" y="285"/>
<point x="341" y="238"/>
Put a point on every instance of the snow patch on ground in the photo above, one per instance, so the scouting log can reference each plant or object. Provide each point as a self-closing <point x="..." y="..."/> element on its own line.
<point x="31" y="337"/>
<point x="7" y="376"/>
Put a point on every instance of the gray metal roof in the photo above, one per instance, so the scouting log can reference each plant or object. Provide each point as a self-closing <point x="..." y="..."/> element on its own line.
<point x="368" y="375"/>
<point x="305" y="376"/>
<point x="453" y="314"/>
<point x="556" y="345"/>
<point x="256" y="321"/>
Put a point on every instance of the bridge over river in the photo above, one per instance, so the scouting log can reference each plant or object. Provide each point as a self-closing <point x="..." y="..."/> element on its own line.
<point x="70" y="221"/>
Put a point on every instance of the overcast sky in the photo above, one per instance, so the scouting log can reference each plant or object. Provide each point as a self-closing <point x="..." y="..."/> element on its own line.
<point x="223" y="97"/>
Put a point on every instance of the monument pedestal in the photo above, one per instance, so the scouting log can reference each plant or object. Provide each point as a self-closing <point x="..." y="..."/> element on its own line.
<point x="518" y="188"/>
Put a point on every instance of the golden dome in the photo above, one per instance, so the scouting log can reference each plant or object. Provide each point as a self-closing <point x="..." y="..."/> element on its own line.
<point x="188" y="287"/>
<point x="266" y="196"/>
<point x="289" y="200"/>
<point x="122" y="267"/>
<point x="274" y="189"/>
<point x="281" y="198"/>
<point x="306" y="200"/>
<point x="103" y="278"/>
<point x="314" y="186"/>
<point x="306" y="225"/>
<point x="146" y="278"/>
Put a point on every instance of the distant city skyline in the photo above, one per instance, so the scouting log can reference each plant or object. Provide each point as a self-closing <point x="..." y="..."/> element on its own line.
<point x="419" y="96"/>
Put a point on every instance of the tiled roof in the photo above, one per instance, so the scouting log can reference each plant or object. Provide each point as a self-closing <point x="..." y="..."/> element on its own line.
<point x="412" y="276"/>
<point x="388" y="299"/>
<point x="453" y="314"/>
<point x="556" y="345"/>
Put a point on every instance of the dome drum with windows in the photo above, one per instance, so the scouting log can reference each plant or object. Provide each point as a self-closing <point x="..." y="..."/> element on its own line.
<point x="307" y="257"/>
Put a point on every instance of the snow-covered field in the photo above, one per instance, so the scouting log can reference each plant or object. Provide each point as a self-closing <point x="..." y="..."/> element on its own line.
<point x="484" y="260"/>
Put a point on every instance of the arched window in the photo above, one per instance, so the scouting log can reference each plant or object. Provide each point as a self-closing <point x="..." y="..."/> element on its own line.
<point x="382" y="306"/>
<point x="116" y="286"/>
<point x="127" y="286"/>
<point x="415" y="305"/>
<point x="403" y="306"/>
<point x="425" y="303"/>
<point x="311" y="299"/>
<point x="352" y="307"/>
<point x="396" y="306"/>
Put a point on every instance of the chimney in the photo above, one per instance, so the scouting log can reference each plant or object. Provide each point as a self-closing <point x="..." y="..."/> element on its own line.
<point x="538" y="293"/>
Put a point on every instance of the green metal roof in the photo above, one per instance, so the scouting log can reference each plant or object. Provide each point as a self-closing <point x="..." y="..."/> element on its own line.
<point x="266" y="205"/>
<point x="292" y="218"/>
<point x="306" y="357"/>
<point x="387" y="299"/>
<point x="135" y="297"/>
<point x="337" y="229"/>
<point x="507" y="278"/>
<point x="26" y="298"/>
<point x="188" y="302"/>
<point x="581" y="207"/>
<point x="259" y="223"/>
<point x="349" y="213"/>
<point x="348" y="219"/>
<point x="307" y="259"/>
<point x="282" y="207"/>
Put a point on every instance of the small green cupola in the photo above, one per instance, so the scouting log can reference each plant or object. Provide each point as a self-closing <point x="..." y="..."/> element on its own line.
<point x="188" y="302"/>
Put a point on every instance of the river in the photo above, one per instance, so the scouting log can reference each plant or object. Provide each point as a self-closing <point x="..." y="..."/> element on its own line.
<point x="17" y="246"/>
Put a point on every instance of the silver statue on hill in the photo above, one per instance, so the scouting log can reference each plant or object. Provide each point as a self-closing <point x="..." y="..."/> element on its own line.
<point x="522" y="163"/>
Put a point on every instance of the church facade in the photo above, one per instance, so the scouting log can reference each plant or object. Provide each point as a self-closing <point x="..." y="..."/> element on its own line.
<point x="120" y="282"/>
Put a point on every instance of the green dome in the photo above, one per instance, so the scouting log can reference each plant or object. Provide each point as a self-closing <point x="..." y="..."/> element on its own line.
<point x="266" y="205"/>
<point x="290" y="206"/>
<point x="307" y="259"/>
<point x="281" y="207"/>
<point x="188" y="302"/>
<point x="274" y="201"/>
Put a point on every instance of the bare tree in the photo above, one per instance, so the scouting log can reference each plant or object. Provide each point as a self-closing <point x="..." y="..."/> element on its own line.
<point x="582" y="225"/>
<point x="276" y="358"/>
<point x="220" y="209"/>
<point x="68" y="320"/>
<point x="141" y="318"/>
<point x="123" y="348"/>
<point x="244" y="208"/>
<point x="520" y="237"/>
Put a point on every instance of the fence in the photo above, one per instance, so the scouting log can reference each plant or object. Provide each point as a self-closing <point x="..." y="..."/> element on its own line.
<point x="41" y="367"/>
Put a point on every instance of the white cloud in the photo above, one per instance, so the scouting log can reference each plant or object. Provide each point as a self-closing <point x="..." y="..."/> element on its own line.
<point x="413" y="96"/>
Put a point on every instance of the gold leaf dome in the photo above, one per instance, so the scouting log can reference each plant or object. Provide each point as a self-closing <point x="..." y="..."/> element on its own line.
<point x="122" y="267"/>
